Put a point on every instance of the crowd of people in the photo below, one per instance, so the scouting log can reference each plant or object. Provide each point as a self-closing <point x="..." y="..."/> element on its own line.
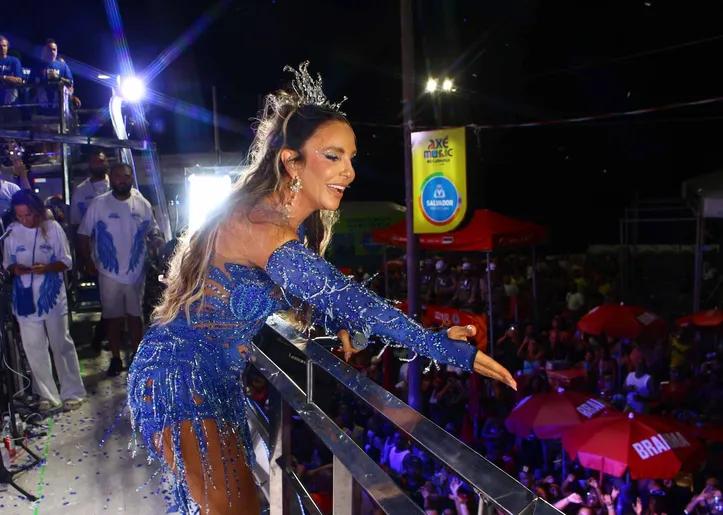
<point x="41" y="101"/>
<point x="677" y="376"/>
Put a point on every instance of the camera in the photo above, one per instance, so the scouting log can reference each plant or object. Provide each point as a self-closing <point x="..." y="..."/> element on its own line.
<point x="8" y="151"/>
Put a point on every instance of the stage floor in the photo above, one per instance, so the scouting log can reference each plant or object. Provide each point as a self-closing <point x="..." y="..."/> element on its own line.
<point x="78" y="475"/>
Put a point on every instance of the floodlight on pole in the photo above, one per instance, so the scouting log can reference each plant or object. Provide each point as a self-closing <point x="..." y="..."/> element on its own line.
<point x="446" y="86"/>
<point x="132" y="89"/>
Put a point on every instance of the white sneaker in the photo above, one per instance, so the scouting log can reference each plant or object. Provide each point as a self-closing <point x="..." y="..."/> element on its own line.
<point x="72" y="404"/>
<point x="46" y="405"/>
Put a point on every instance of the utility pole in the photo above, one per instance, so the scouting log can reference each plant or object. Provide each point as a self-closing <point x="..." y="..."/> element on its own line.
<point x="414" y="376"/>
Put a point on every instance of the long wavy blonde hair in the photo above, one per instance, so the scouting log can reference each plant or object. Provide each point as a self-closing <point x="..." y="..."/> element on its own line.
<point x="280" y="126"/>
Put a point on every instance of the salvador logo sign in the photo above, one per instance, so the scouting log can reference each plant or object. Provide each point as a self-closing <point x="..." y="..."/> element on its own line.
<point x="439" y="165"/>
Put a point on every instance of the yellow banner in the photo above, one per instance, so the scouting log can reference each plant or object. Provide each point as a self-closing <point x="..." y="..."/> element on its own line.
<point x="439" y="165"/>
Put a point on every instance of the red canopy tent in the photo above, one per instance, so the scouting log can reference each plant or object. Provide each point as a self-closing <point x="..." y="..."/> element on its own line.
<point x="486" y="232"/>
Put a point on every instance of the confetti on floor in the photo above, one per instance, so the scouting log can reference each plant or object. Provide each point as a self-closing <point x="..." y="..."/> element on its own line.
<point x="79" y="476"/>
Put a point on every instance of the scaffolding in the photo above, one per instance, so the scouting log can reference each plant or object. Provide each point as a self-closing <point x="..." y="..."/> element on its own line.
<point x="62" y="129"/>
<point x="667" y="213"/>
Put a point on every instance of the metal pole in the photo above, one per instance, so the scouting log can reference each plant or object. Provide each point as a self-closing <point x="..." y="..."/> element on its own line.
<point x="658" y="209"/>
<point x="623" y="260"/>
<point x="280" y="504"/>
<point x="534" y="287"/>
<point x="490" y="320"/>
<point x="698" y="266"/>
<point x="386" y="272"/>
<point x="667" y="220"/>
<point x="216" y="140"/>
<point x="347" y="494"/>
<point x="414" y="376"/>
<point x="309" y="381"/>
<point x="64" y="149"/>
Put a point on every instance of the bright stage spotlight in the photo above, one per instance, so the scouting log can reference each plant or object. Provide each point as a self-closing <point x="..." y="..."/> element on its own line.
<point x="132" y="89"/>
<point x="206" y="192"/>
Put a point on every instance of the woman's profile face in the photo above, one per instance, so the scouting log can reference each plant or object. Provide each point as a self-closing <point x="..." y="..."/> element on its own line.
<point x="328" y="168"/>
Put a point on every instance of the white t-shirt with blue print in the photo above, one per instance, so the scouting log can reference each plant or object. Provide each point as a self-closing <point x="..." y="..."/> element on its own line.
<point x="118" y="230"/>
<point x="82" y="197"/>
<point x="22" y="247"/>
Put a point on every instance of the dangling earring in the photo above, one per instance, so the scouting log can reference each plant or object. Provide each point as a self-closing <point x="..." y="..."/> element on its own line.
<point x="295" y="187"/>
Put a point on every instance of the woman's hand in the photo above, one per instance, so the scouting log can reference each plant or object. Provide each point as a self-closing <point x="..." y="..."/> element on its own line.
<point x="345" y="339"/>
<point x="18" y="270"/>
<point x="483" y="364"/>
<point x="574" y="498"/>
<point x="38" y="269"/>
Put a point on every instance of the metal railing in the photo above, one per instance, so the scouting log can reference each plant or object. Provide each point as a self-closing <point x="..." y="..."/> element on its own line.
<point x="352" y="467"/>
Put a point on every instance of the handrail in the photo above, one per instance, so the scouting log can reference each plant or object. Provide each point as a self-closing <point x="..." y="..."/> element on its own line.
<point x="76" y="139"/>
<point x="496" y="488"/>
<point x="299" y="488"/>
<point x="370" y="477"/>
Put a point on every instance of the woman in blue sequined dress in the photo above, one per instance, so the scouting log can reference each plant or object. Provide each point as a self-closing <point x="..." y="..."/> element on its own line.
<point x="244" y="264"/>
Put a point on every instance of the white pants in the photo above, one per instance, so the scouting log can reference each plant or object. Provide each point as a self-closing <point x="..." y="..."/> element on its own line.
<point x="35" y="336"/>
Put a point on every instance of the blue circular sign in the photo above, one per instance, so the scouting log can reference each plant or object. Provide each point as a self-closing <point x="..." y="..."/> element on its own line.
<point x="440" y="200"/>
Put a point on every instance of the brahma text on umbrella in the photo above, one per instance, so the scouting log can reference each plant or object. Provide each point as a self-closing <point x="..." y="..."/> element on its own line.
<point x="659" y="443"/>
<point x="590" y="408"/>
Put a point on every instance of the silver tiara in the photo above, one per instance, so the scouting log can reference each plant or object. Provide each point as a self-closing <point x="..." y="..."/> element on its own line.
<point x="308" y="90"/>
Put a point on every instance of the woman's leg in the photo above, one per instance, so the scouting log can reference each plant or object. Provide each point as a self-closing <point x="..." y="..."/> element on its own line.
<point x="35" y="344"/>
<point x="225" y="459"/>
<point x="66" y="358"/>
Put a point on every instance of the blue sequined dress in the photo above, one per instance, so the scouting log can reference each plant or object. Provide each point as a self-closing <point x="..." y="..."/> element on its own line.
<point x="193" y="371"/>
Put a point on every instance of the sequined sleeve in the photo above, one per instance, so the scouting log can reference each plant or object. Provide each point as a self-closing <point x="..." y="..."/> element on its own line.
<point x="303" y="274"/>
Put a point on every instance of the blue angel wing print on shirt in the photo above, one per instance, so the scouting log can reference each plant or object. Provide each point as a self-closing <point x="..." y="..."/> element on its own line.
<point x="139" y="245"/>
<point x="107" y="253"/>
<point x="49" y="290"/>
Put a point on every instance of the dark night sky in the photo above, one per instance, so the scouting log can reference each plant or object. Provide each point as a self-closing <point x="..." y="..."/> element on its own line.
<point x="513" y="61"/>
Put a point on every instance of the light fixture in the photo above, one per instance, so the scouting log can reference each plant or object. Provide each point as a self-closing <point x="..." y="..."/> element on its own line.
<point x="206" y="192"/>
<point x="447" y="85"/>
<point x="103" y="76"/>
<point x="432" y="85"/>
<point x="132" y="89"/>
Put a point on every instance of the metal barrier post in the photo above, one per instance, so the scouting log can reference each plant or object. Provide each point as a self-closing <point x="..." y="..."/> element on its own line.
<point x="309" y="381"/>
<point x="279" y="502"/>
<point x="64" y="108"/>
<point x="347" y="494"/>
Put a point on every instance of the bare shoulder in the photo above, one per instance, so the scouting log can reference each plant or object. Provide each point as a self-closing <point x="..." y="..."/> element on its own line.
<point x="250" y="238"/>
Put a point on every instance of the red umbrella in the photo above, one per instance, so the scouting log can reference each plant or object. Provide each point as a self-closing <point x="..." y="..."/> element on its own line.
<point x="646" y="445"/>
<point x="708" y="318"/>
<point x="548" y="415"/>
<point x="622" y="321"/>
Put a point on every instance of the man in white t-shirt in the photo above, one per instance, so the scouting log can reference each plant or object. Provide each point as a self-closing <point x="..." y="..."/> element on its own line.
<point x="95" y="185"/>
<point x="119" y="223"/>
<point x="92" y="187"/>
<point x="575" y="301"/>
